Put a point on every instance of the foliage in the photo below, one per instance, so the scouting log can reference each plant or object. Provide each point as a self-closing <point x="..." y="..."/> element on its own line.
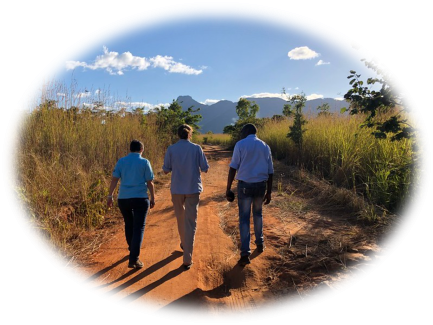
<point x="66" y="155"/>
<point x="170" y="118"/>
<point x="294" y="108"/>
<point x="324" y="109"/>
<point x="245" y="109"/>
<point x="246" y="112"/>
<point x="335" y="148"/>
<point x="382" y="107"/>
<point x="389" y="111"/>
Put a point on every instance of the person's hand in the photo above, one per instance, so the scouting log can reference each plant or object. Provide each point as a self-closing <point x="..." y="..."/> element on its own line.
<point x="230" y="196"/>
<point x="267" y="198"/>
<point x="152" y="203"/>
<point x="109" y="202"/>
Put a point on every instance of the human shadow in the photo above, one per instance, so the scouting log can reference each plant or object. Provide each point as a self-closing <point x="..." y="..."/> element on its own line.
<point x="108" y="268"/>
<point x="170" y="275"/>
<point x="233" y="279"/>
<point x="174" y="255"/>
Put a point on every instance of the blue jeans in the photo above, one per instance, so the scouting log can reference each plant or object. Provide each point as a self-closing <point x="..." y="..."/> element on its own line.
<point x="134" y="213"/>
<point x="250" y="195"/>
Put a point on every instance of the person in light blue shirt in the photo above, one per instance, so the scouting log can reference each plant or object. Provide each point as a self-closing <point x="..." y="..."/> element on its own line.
<point x="136" y="178"/>
<point x="185" y="160"/>
<point x="252" y="165"/>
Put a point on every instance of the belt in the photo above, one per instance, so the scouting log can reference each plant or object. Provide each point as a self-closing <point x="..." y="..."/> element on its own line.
<point x="239" y="181"/>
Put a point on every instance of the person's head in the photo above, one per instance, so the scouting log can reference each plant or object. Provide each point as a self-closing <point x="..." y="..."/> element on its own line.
<point x="184" y="131"/>
<point x="247" y="130"/>
<point x="136" y="146"/>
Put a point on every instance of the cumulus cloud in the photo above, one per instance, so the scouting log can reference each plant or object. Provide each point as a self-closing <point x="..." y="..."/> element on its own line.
<point x="167" y="63"/>
<point x="302" y="53"/>
<point x="115" y="63"/>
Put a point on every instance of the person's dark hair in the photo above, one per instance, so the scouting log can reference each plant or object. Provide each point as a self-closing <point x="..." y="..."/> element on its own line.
<point x="136" y="146"/>
<point x="248" y="129"/>
<point x="184" y="131"/>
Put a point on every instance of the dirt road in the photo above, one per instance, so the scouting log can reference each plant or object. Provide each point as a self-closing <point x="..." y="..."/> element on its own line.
<point x="306" y="248"/>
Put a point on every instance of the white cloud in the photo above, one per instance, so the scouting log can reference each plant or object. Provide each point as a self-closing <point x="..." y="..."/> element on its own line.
<point x="167" y="63"/>
<point x="266" y="95"/>
<point x="115" y="63"/>
<point x="302" y="53"/>
<point x="314" y="96"/>
<point x="210" y="101"/>
<point x="321" y="62"/>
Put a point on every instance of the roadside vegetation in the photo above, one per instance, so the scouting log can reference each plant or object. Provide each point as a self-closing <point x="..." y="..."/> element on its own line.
<point x="67" y="151"/>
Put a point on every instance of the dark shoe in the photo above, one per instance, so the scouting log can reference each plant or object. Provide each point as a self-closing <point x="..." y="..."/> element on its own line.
<point x="244" y="260"/>
<point x="137" y="265"/>
<point x="260" y="248"/>
<point x="187" y="266"/>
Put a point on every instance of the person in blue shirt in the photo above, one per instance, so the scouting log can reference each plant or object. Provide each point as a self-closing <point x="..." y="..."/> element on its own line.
<point x="252" y="165"/>
<point x="136" y="178"/>
<point x="185" y="160"/>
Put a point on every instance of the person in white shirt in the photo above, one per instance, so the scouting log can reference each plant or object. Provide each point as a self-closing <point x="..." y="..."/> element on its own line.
<point x="252" y="165"/>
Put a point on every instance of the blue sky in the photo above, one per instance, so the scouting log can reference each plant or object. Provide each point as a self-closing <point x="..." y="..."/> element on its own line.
<point x="210" y="60"/>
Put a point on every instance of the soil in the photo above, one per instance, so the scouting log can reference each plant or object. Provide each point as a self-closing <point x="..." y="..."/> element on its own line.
<point x="310" y="244"/>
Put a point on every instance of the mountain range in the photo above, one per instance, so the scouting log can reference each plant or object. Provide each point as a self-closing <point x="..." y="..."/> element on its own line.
<point x="216" y="116"/>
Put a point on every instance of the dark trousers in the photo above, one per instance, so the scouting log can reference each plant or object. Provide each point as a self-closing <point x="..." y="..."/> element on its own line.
<point x="134" y="213"/>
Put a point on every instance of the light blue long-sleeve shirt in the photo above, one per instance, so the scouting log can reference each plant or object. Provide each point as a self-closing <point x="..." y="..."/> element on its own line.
<point x="185" y="160"/>
<point x="252" y="159"/>
<point x="134" y="172"/>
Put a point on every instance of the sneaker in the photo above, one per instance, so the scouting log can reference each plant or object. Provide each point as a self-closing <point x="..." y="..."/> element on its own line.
<point x="260" y="248"/>
<point x="137" y="265"/>
<point x="244" y="260"/>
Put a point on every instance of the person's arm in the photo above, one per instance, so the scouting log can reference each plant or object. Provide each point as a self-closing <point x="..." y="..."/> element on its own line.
<point x="230" y="178"/>
<point x="113" y="185"/>
<point x="166" y="167"/>
<point x="151" y="187"/>
<point x="268" y="195"/>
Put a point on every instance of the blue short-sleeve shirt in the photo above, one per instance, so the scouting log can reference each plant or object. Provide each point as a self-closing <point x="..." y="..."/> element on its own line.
<point x="134" y="172"/>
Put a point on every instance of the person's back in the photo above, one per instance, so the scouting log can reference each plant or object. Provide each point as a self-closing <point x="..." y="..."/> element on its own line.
<point x="252" y="159"/>
<point x="133" y="170"/>
<point x="185" y="160"/>
<point x="252" y="165"/>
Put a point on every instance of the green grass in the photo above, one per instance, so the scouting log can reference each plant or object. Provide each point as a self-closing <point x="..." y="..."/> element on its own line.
<point x="337" y="149"/>
<point x="212" y="138"/>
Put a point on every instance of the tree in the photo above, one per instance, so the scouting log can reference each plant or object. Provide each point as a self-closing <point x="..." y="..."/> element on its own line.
<point x="246" y="112"/>
<point x="324" y="109"/>
<point x="294" y="108"/>
<point x="245" y="109"/>
<point x="170" y="118"/>
<point x="383" y="108"/>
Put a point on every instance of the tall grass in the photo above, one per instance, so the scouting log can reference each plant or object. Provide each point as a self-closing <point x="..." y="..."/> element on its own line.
<point x="212" y="138"/>
<point x="337" y="149"/>
<point x="65" y="160"/>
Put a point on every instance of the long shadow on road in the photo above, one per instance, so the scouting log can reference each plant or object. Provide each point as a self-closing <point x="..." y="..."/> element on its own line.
<point x="174" y="255"/>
